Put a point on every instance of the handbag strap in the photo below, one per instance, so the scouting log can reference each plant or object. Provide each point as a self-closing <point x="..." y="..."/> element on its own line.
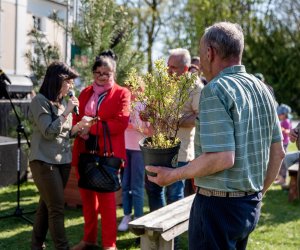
<point x="100" y="100"/>
<point x="106" y="133"/>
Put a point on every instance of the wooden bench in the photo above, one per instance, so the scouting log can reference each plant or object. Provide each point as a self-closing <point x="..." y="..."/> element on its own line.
<point x="294" y="182"/>
<point x="159" y="228"/>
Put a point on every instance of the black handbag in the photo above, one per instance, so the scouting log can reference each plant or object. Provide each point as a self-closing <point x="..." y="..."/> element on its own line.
<point x="100" y="173"/>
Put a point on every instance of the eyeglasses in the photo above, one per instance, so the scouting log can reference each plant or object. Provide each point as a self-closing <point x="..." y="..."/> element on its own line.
<point x="105" y="74"/>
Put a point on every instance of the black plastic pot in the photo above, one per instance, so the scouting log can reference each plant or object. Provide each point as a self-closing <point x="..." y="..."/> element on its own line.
<point x="165" y="157"/>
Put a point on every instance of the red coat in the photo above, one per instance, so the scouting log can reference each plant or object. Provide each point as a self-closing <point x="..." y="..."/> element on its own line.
<point x="115" y="110"/>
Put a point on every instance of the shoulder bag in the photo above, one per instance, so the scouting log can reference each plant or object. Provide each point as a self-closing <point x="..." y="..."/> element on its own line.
<point x="100" y="173"/>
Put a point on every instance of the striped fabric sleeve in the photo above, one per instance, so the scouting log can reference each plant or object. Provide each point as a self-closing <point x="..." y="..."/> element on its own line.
<point x="216" y="124"/>
<point x="276" y="133"/>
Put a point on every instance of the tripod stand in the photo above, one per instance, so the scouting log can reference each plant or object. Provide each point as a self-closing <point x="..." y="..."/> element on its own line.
<point x="20" y="130"/>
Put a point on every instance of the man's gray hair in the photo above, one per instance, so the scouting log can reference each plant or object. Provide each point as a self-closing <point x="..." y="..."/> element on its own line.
<point x="183" y="53"/>
<point x="226" y="38"/>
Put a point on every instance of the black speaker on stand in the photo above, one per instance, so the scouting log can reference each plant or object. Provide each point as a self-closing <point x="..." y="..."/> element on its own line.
<point x="20" y="131"/>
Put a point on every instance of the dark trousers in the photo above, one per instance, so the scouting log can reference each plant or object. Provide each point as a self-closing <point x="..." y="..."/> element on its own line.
<point x="50" y="181"/>
<point x="223" y="223"/>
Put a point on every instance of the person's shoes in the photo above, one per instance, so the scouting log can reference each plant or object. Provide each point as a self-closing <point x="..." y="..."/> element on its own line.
<point x="83" y="245"/>
<point x="123" y="226"/>
<point x="42" y="247"/>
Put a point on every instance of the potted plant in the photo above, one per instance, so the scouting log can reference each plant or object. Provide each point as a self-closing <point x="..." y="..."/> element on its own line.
<point x="163" y="98"/>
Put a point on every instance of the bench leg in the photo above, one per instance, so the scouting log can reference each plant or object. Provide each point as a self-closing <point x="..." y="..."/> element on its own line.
<point x="293" y="191"/>
<point x="153" y="241"/>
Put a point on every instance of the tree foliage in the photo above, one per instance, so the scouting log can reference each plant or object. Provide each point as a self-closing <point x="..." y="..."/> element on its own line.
<point x="103" y="24"/>
<point x="163" y="97"/>
<point x="273" y="49"/>
<point x="149" y="18"/>
<point x="41" y="56"/>
<point x="271" y="29"/>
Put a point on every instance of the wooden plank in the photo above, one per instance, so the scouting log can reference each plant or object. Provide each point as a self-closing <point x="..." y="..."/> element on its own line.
<point x="166" y="217"/>
<point x="169" y="220"/>
<point x="175" y="231"/>
<point x="294" y="168"/>
<point x="167" y="212"/>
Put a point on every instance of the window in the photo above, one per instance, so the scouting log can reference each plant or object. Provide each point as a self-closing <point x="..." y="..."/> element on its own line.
<point x="37" y="23"/>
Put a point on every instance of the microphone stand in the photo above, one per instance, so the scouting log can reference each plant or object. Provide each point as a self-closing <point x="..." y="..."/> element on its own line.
<point x="20" y="130"/>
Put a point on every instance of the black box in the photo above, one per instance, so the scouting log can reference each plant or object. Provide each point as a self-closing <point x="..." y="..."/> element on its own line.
<point x="8" y="161"/>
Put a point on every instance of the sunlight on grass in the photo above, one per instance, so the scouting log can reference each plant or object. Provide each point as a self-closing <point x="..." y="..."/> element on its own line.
<point x="292" y="147"/>
<point x="15" y="232"/>
<point x="74" y="221"/>
<point x="277" y="229"/>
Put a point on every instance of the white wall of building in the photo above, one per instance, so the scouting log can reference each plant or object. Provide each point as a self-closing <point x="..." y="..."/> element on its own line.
<point x="16" y="20"/>
<point x="7" y="35"/>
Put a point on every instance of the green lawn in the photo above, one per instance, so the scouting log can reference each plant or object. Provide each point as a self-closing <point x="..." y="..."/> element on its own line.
<point x="279" y="225"/>
<point x="292" y="147"/>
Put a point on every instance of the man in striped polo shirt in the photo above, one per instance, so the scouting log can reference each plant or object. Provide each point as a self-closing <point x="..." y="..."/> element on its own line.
<point x="237" y="142"/>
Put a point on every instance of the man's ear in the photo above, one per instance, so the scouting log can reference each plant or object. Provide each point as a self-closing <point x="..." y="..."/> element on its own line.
<point x="210" y="53"/>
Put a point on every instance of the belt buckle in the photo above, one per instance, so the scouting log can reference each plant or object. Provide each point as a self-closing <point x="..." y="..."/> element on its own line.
<point x="209" y="192"/>
<point x="205" y="192"/>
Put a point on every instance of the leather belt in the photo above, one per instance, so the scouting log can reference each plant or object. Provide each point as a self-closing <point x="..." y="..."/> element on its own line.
<point x="211" y="192"/>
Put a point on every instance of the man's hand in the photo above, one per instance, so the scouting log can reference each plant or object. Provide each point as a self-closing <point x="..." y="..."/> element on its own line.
<point x="275" y="159"/>
<point x="204" y="165"/>
<point x="165" y="176"/>
<point x="294" y="133"/>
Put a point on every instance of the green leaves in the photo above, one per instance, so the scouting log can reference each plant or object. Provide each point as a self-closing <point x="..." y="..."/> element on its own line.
<point x="104" y="25"/>
<point x="163" y="97"/>
<point x="43" y="54"/>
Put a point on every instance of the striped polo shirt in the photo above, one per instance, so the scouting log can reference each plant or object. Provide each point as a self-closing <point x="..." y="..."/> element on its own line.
<point x="237" y="113"/>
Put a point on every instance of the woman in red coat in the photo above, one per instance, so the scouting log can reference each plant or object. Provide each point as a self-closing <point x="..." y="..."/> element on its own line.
<point x="111" y="103"/>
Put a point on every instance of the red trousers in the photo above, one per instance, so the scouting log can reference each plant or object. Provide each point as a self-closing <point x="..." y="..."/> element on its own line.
<point x="94" y="203"/>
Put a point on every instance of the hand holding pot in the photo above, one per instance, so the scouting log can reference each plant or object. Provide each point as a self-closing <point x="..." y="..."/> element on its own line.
<point x="293" y="135"/>
<point x="164" y="176"/>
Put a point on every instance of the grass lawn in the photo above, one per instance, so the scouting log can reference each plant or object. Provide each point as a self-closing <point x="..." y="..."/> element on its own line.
<point x="278" y="227"/>
<point x="292" y="147"/>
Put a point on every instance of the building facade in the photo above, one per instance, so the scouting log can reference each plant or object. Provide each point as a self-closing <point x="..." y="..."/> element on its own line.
<point x="17" y="18"/>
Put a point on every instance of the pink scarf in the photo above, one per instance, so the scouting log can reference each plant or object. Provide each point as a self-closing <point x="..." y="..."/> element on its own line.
<point x="91" y="106"/>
